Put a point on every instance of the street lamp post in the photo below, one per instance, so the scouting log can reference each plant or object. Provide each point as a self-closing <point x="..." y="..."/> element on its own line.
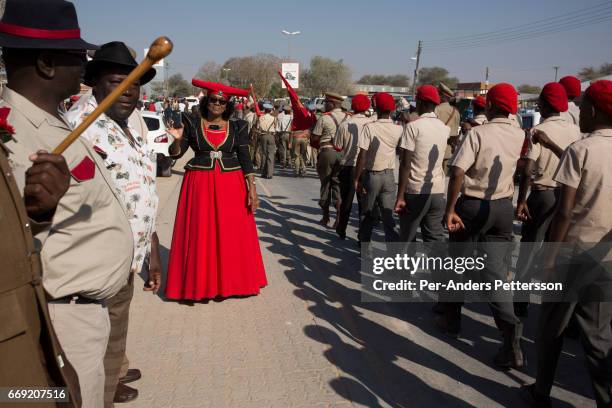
<point x="290" y="34"/>
<point x="226" y="70"/>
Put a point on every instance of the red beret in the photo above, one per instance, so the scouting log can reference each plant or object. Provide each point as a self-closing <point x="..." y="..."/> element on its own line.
<point x="504" y="97"/>
<point x="360" y="103"/>
<point x="480" y="101"/>
<point x="554" y="94"/>
<point x="428" y="93"/>
<point x="600" y="94"/>
<point x="571" y="85"/>
<point x="219" y="89"/>
<point x="384" y="102"/>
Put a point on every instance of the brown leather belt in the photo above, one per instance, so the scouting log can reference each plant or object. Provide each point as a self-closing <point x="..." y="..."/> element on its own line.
<point x="537" y="187"/>
<point x="79" y="300"/>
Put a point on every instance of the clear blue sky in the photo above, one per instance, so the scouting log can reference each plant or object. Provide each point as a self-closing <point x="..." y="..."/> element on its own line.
<point x="372" y="37"/>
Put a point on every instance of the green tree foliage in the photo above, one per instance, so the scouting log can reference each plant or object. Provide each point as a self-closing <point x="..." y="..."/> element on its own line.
<point x="177" y="86"/>
<point x="591" y="73"/>
<point x="259" y="70"/>
<point x="325" y="74"/>
<point x="529" y="89"/>
<point x="435" y="75"/>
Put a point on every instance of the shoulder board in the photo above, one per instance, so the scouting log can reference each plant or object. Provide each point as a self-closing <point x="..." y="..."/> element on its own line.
<point x="4" y="112"/>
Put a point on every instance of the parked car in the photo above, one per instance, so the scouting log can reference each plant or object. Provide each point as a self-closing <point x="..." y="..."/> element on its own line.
<point x="159" y="140"/>
<point x="191" y="101"/>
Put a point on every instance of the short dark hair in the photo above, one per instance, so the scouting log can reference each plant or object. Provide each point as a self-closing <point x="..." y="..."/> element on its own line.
<point x="15" y="58"/>
<point x="229" y="108"/>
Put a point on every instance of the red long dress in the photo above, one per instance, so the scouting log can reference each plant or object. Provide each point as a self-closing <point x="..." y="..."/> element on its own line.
<point x="215" y="248"/>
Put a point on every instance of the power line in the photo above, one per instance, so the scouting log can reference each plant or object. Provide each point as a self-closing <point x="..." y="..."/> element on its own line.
<point x="536" y="30"/>
<point x="523" y="36"/>
<point x="588" y="12"/>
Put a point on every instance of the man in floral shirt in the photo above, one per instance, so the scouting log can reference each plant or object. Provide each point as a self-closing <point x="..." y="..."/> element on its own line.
<point x="133" y="169"/>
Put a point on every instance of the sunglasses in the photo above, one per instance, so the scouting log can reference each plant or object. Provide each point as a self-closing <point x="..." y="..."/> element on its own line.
<point x="78" y="54"/>
<point x="217" y="101"/>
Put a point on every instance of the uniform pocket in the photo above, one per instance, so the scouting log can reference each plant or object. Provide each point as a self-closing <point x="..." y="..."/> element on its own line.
<point x="11" y="316"/>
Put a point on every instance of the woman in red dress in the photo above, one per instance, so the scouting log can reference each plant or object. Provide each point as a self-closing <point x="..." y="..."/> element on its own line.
<point x="215" y="249"/>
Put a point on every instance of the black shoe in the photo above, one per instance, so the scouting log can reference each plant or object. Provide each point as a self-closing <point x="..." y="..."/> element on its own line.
<point x="529" y="394"/>
<point x="438" y="308"/>
<point x="521" y="309"/>
<point x="341" y="234"/>
<point x="124" y="394"/>
<point x="133" y="374"/>
<point x="510" y="355"/>
<point x="451" y="329"/>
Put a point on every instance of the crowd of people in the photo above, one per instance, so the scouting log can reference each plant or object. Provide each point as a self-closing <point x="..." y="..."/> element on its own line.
<point x="83" y="222"/>
<point x="457" y="182"/>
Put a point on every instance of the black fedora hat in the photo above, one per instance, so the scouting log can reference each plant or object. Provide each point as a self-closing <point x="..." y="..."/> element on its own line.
<point x="112" y="54"/>
<point x="41" y="24"/>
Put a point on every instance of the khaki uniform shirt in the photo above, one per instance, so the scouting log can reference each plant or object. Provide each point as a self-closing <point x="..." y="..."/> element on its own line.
<point x="562" y="133"/>
<point x="488" y="155"/>
<point x="283" y="122"/>
<point x="347" y="138"/>
<point x="380" y="139"/>
<point x="250" y="119"/>
<point x="266" y="123"/>
<point x="516" y="120"/>
<point x="30" y="352"/>
<point x="449" y="115"/>
<point x="572" y="114"/>
<point x="88" y="248"/>
<point x="326" y="128"/>
<point x="586" y="166"/>
<point x="426" y="138"/>
<point x="481" y="119"/>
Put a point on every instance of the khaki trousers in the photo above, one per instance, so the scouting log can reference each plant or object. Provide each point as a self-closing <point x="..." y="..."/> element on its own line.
<point x="119" y="313"/>
<point x="284" y="151"/>
<point x="328" y="169"/>
<point x="83" y="331"/>
<point x="300" y="154"/>
<point x="268" y="150"/>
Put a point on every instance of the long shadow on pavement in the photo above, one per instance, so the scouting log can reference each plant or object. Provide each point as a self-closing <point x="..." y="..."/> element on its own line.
<point x="373" y="363"/>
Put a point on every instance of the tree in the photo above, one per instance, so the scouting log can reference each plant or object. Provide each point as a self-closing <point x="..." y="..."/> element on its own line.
<point x="389" y="80"/>
<point x="435" y="75"/>
<point x="591" y="73"/>
<point x="588" y="74"/>
<point x="177" y="85"/>
<point x="210" y="71"/>
<point x="325" y="74"/>
<point x="276" y="90"/>
<point x="529" y="89"/>
<point x="259" y="70"/>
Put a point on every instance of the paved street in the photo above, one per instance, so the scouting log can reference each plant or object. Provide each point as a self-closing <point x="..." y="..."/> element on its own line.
<point x="308" y="341"/>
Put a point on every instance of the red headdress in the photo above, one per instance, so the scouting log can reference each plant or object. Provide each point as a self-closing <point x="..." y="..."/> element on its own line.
<point x="218" y="89"/>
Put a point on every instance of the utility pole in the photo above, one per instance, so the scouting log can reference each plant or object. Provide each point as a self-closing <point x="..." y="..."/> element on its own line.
<point x="416" y="69"/>
<point x="556" y="72"/>
<point x="166" y="69"/>
<point x="487" y="80"/>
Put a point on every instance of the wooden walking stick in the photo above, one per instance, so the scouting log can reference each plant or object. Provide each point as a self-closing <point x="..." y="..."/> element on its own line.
<point x="158" y="50"/>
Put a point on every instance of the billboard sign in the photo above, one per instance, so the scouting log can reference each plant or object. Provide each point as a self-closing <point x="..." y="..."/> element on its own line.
<point x="291" y="72"/>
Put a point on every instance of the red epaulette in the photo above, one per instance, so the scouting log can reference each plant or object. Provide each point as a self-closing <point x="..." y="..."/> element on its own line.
<point x="4" y="112"/>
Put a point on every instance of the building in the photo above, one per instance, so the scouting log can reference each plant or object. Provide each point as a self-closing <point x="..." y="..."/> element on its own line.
<point x="472" y="89"/>
<point x="372" y="89"/>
